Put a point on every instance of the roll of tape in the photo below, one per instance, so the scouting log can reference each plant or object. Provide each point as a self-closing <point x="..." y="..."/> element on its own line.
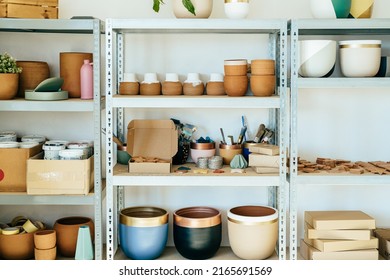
<point x="18" y="220"/>
<point x="30" y="227"/>
<point x="10" y="231"/>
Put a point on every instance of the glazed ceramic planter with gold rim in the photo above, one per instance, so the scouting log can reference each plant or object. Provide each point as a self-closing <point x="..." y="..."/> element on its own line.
<point x="253" y="231"/>
<point x="361" y="8"/>
<point x="203" y="9"/>
<point x="228" y="152"/>
<point x="197" y="232"/>
<point x="360" y="58"/>
<point x="143" y="232"/>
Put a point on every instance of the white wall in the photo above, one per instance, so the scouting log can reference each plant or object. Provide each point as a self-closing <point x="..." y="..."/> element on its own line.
<point x="332" y="123"/>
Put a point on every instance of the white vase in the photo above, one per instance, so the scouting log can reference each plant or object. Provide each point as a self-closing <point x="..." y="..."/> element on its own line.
<point x="203" y="9"/>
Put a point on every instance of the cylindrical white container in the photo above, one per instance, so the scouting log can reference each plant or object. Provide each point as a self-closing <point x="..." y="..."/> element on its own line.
<point x="130" y="77"/>
<point x="236" y="9"/>
<point x="52" y="149"/>
<point x="171" y="77"/>
<point x="26" y="145"/>
<point x="150" y="78"/>
<point x="9" y="145"/>
<point x="8" y="136"/>
<point x="71" y="154"/>
<point x="34" y="138"/>
<point x="83" y="146"/>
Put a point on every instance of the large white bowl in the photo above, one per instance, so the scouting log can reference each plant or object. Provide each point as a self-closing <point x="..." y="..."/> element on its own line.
<point x="317" y="57"/>
<point x="360" y="58"/>
<point x="330" y="8"/>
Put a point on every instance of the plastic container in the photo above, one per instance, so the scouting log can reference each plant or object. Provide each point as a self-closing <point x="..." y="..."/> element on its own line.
<point x="52" y="149"/>
<point x="236" y="9"/>
<point x="9" y="145"/>
<point x="33" y="138"/>
<point x="86" y="80"/>
<point x="84" y="146"/>
<point x="8" y="136"/>
<point x="71" y="154"/>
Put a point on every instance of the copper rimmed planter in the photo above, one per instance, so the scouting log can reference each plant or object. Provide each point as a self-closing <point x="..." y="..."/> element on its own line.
<point x="143" y="232"/>
<point x="197" y="232"/>
<point x="253" y="231"/>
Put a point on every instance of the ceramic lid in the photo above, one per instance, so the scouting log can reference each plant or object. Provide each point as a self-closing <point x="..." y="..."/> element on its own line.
<point x="50" y="85"/>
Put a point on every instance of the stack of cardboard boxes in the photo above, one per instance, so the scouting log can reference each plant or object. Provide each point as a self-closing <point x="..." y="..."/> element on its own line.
<point x="339" y="235"/>
<point x="264" y="158"/>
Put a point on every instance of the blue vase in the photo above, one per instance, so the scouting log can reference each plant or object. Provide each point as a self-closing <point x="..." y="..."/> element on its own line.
<point x="84" y="247"/>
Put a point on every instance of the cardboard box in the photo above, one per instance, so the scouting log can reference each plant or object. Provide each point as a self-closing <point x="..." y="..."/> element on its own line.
<point x="266" y="170"/>
<point x="152" y="139"/>
<point x="265" y="149"/>
<point x="57" y="177"/>
<point x="332" y="245"/>
<point x="383" y="236"/>
<point x="327" y="220"/>
<point x="349" y="234"/>
<point x="263" y="160"/>
<point x="13" y="168"/>
<point x="310" y="253"/>
<point x="39" y="9"/>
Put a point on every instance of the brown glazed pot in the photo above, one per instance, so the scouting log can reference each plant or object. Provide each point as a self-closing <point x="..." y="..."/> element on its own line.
<point x="70" y="65"/>
<point x="33" y="73"/>
<point x="8" y="85"/>
<point x="67" y="231"/>
<point x="17" y="247"/>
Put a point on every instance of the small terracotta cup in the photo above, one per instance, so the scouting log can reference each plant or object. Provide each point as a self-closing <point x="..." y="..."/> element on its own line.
<point x="236" y="85"/>
<point x="262" y="67"/>
<point x="45" y="239"/>
<point x="263" y="85"/>
<point x="236" y="67"/>
<point x="129" y="88"/>
<point x="45" y="254"/>
<point x="150" y="88"/>
<point x="172" y="88"/>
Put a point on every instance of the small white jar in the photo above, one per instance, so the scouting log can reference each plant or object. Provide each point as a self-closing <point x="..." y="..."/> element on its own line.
<point x="216" y="77"/>
<point x="236" y="9"/>
<point x="171" y="77"/>
<point x="26" y="144"/>
<point x="150" y="78"/>
<point x="193" y="78"/>
<point x="83" y="146"/>
<point x="130" y="77"/>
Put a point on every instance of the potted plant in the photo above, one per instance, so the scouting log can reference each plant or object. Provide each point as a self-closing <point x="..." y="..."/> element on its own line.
<point x="9" y="76"/>
<point x="188" y="8"/>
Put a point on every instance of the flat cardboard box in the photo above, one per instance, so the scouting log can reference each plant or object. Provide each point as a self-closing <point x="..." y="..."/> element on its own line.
<point x="28" y="11"/>
<point x="332" y="245"/>
<point x="59" y="177"/>
<point x="152" y="139"/>
<point x="263" y="160"/>
<point x="266" y="170"/>
<point x="383" y="235"/>
<point x="310" y="253"/>
<point x="13" y="168"/>
<point x="348" y="234"/>
<point x="265" y="149"/>
<point x="344" y="219"/>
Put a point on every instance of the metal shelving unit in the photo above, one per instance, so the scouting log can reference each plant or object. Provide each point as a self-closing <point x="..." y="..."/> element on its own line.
<point x="315" y="27"/>
<point x="117" y="177"/>
<point x="95" y="28"/>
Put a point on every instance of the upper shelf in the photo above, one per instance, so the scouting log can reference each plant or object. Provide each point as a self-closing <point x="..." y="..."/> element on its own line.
<point x="340" y="26"/>
<point x="82" y="26"/>
<point x="343" y="82"/>
<point x="204" y="101"/>
<point x="196" y="26"/>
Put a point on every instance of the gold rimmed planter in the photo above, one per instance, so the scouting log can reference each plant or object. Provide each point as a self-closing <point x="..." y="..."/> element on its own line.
<point x="143" y="232"/>
<point x="253" y="231"/>
<point x="361" y="8"/>
<point x="197" y="232"/>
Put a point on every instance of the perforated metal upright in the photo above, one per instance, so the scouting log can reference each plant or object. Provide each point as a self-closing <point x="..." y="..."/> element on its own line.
<point x="277" y="105"/>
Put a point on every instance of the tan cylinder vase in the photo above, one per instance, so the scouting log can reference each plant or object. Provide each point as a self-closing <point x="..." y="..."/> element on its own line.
<point x="70" y="65"/>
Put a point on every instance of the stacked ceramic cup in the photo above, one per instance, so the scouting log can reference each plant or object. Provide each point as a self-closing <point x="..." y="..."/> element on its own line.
<point x="262" y="81"/>
<point x="45" y="244"/>
<point x="236" y="78"/>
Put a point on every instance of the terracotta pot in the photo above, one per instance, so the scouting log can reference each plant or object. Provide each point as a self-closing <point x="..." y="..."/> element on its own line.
<point x="197" y="232"/>
<point x="45" y="239"/>
<point x="236" y="85"/>
<point x="203" y="9"/>
<point x="253" y="231"/>
<point x="236" y="67"/>
<point x="129" y="88"/>
<point x="70" y="65"/>
<point x="8" y="85"/>
<point x="67" y="231"/>
<point x="17" y="246"/>
<point x="172" y="88"/>
<point x="215" y="88"/>
<point x="150" y="88"/>
<point x="33" y="73"/>
<point x="193" y="89"/>
<point x="45" y="254"/>
<point x="143" y="232"/>
<point x="262" y="67"/>
<point x="263" y="85"/>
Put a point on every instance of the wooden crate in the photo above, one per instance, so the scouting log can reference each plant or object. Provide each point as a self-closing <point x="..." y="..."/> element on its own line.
<point x="41" y="9"/>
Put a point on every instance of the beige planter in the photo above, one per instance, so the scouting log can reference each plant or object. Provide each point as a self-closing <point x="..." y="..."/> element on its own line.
<point x="253" y="231"/>
<point x="8" y="85"/>
<point x="203" y="9"/>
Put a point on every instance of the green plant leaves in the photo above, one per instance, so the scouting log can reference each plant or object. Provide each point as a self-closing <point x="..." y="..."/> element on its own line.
<point x="189" y="6"/>
<point x="156" y="5"/>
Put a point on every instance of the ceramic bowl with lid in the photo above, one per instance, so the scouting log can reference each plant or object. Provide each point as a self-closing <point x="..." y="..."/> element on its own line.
<point x="360" y="58"/>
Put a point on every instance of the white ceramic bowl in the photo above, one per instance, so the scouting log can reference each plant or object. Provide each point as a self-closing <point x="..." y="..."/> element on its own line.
<point x="330" y="9"/>
<point x="360" y="58"/>
<point x="317" y="57"/>
<point x="236" y="9"/>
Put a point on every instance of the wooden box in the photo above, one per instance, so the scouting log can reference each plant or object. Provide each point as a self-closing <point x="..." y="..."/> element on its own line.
<point x="38" y="9"/>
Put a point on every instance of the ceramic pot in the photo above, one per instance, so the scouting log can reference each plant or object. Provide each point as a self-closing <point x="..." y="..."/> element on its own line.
<point x="228" y="152"/>
<point x="45" y="254"/>
<point x="8" y="85"/>
<point x="70" y="66"/>
<point x="45" y="239"/>
<point x="17" y="246"/>
<point x="129" y="88"/>
<point x="360" y="58"/>
<point x="235" y="67"/>
<point x="236" y="9"/>
<point x="197" y="232"/>
<point x="143" y="232"/>
<point x="331" y="9"/>
<point x="33" y="73"/>
<point x="317" y="58"/>
<point x="203" y="9"/>
<point x="262" y="67"/>
<point x="67" y="231"/>
<point x="361" y="8"/>
<point x="263" y="85"/>
<point x="236" y="85"/>
<point x="198" y="150"/>
<point x="150" y="88"/>
<point x="253" y="231"/>
<point x="172" y="88"/>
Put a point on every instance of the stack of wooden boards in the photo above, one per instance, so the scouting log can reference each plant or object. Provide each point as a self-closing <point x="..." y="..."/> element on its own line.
<point x="339" y="235"/>
<point x="264" y="158"/>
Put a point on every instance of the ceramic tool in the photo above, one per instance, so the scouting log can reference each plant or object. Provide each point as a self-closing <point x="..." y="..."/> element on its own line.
<point x="223" y="136"/>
